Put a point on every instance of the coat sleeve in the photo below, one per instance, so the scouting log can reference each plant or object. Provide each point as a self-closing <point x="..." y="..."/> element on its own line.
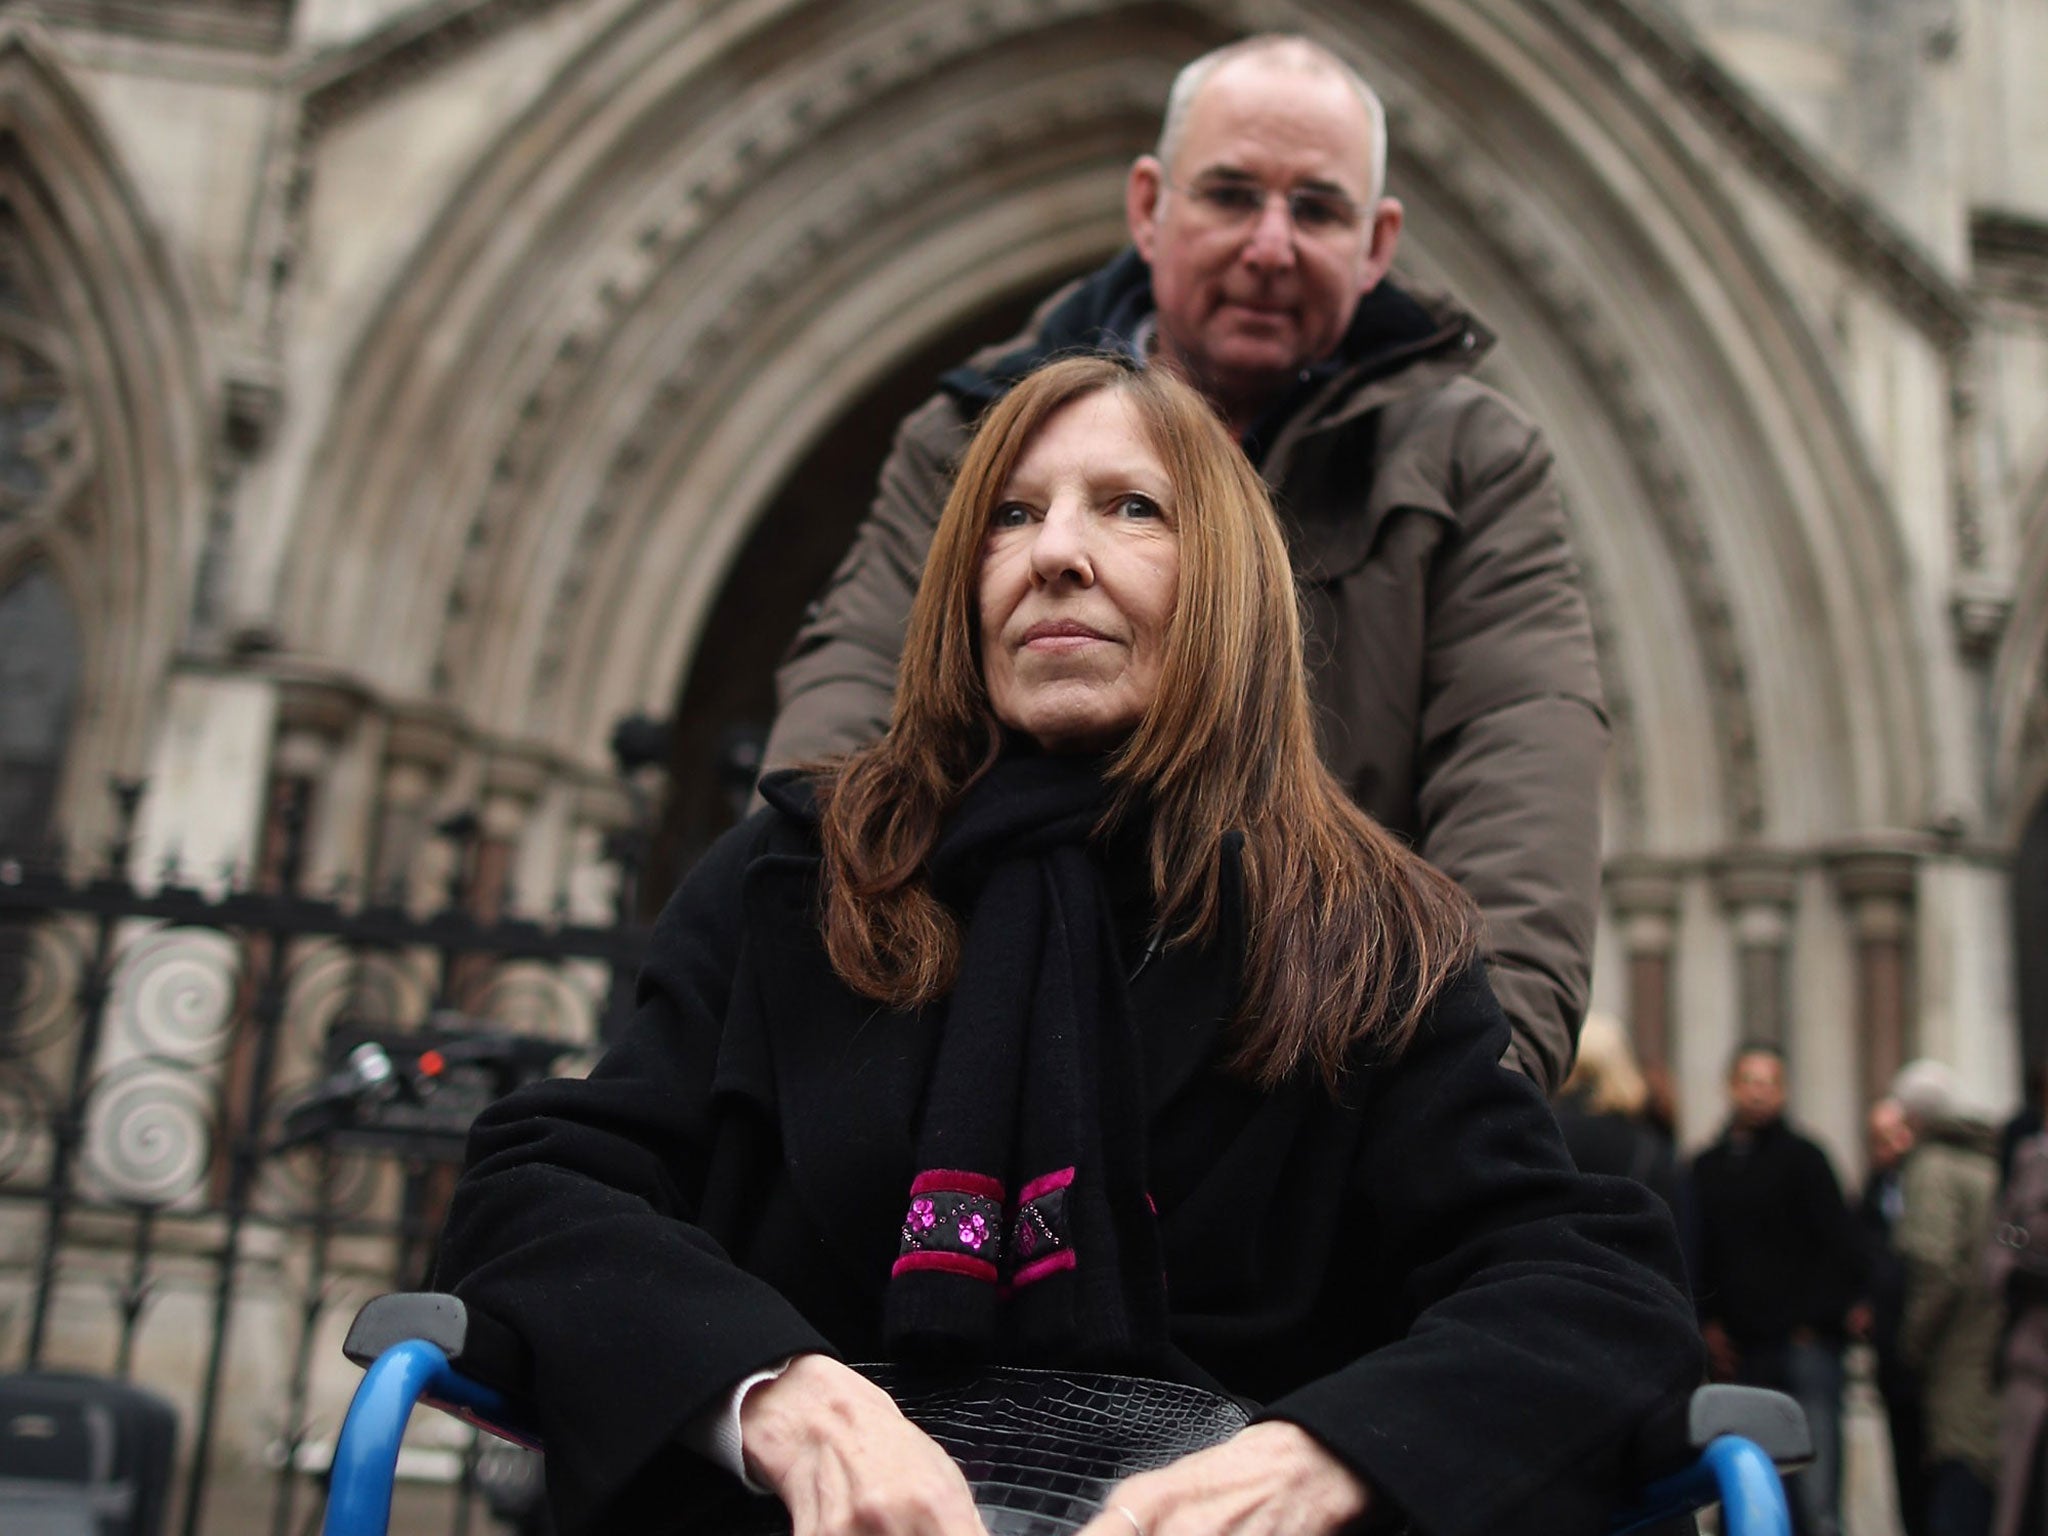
<point x="837" y="685"/>
<point x="1939" y="1247"/>
<point x="1513" y="736"/>
<point x="571" y="1223"/>
<point x="1546" y="1315"/>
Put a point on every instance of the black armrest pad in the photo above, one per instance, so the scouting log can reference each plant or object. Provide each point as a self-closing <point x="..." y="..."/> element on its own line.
<point x="480" y="1346"/>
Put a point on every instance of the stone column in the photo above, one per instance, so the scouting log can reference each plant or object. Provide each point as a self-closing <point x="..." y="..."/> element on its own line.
<point x="1644" y="894"/>
<point x="298" y="768"/>
<point x="512" y="783"/>
<point x="597" y="895"/>
<point x="1759" y="889"/>
<point x="328" y="748"/>
<point x="419" y="746"/>
<point x="1876" y="885"/>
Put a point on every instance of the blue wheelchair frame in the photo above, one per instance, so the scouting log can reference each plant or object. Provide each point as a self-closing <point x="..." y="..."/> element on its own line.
<point x="1728" y="1467"/>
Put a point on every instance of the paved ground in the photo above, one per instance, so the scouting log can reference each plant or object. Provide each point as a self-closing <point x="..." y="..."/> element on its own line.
<point x="245" y="1504"/>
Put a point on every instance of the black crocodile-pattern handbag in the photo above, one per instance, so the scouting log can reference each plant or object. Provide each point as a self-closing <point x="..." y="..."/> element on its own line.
<point x="1042" y="1449"/>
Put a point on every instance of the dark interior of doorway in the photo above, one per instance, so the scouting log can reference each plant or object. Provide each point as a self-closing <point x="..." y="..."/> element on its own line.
<point x="728" y="698"/>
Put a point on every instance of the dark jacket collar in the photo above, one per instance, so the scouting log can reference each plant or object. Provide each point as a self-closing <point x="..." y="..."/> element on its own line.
<point x="793" y="792"/>
<point x="1392" y="330"/>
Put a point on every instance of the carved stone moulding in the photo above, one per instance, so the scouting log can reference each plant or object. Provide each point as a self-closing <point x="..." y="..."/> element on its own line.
<point x="1979" y="611"/>
<point x="1758" y="880"/>
<point x="1876" y="882"/>
<point x="2009" y="252"/>
<point x="325" y="704"/>
<point x="425" y="734"/>
<point x="263" y="26"/>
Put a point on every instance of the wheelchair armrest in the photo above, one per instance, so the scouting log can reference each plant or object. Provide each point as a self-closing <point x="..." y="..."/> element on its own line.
<point x="1771" y="1420"/>
<point x="481" y="1347"/>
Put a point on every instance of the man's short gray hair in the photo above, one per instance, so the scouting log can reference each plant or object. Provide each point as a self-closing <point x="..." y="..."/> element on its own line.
<point x="1298" y="50"/>
<point x="1926" y="1091"/>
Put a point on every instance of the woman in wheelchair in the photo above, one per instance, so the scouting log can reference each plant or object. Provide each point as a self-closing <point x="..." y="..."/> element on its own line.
<point x="1079" y="1022"/>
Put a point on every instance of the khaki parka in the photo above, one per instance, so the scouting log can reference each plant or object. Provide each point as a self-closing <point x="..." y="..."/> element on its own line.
<point x="1450" y="650"/>
<point x="1952" y="1322"/>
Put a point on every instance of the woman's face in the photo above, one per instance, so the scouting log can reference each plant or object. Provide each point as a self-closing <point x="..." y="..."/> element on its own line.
<point x="1078" y="578"/>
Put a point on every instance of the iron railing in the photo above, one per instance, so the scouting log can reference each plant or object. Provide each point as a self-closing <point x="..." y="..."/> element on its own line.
<point x="153" y="1043"/>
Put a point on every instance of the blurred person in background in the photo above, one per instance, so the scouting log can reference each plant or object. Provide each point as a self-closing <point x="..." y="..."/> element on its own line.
<point x="1888" y="1138"/>
<point x="1949" y="1332"/>
<point x="1778" y="1269"/>
<point x="2017" y="1269"/>
<point x="1604" y="1112"/>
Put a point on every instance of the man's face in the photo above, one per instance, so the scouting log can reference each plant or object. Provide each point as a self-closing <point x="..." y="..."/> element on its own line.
<point x="1756" y="1089"/>
<point x="1246" y="301"/>
<point x="1890" y="1135"/>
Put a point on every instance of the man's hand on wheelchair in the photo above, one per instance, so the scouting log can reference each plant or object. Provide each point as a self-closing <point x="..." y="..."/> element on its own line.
<point x="1272" y="1479"/>
<point x="844" y="1460"/>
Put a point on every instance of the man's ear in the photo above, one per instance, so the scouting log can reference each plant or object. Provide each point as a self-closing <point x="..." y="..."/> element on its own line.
<point x="1387" y="219"/>
<point x="1141" y="203"/>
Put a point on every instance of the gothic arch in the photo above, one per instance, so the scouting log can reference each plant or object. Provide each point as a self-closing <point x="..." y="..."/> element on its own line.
<point x="93" y="323"/>
<point x="672" y="272"/>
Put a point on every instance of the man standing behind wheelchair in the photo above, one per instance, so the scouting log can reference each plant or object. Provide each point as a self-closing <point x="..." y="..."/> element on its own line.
<point x="1081" y="1022"/>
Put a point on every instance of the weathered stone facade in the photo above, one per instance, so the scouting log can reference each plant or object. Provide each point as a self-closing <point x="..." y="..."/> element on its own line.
<point x="419" y="369"/>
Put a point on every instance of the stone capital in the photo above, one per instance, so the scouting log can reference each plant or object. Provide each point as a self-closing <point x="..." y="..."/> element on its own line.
<point x="325" y="706"/>
<point x="1757" y="879"/>
<point x="521" y="774"/>
<point x="1640" y="885"/>
<point x="1644" y="894"/>
<point x="604" y="804"/>
<point x="424" y="735"/>
<point x="1877" y="883"/>
<point x="1876" y="871"/>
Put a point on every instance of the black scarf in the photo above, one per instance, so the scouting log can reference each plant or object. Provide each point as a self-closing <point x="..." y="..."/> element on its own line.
<point x="1028" y="1232"/>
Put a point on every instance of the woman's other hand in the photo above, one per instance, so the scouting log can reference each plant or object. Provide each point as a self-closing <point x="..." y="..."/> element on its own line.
<point x="1272" y="1479"/>
<point x="844" y="1460"/>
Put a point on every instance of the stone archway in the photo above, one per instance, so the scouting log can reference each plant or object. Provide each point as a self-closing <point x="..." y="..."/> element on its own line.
<point x="592" y="381"/>
<point x="709" y="239"/>
<point x="102" y="428"/>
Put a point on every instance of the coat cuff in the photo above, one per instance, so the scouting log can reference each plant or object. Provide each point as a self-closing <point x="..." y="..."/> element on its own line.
<point x="715" y="1433"/>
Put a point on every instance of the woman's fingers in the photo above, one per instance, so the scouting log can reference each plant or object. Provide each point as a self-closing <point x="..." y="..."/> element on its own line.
<point x="1270" y="1479"/>
<point x="846" y="1463"/>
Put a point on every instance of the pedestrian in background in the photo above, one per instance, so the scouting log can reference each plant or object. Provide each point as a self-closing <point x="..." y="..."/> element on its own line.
<point x="1889" y="1138"/>
<point x="1949" y="1332"/>
<point x="2018" y="1274"/>
<point x="1778" y="1268"/>
<point x="1603" y="1111"/>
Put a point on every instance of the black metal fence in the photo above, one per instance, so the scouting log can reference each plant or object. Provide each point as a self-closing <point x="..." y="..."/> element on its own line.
<point x="193" y="1086"/>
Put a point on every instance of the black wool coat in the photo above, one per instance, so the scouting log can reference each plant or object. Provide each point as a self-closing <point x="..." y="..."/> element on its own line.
<point x="1779" y="1251"/>
<point x="1413" y="1272"/>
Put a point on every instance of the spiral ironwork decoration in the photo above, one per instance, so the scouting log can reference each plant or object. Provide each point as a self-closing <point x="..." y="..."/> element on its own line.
<point x="288" y="1182"/>
<point x="332" y="982"/>
<point x="40" y="967"/>
<point x="150" y="1130"/>
<point x="28" y="1108"/>
<point x="544" y="1001"/>
<point x="176" y="991"/>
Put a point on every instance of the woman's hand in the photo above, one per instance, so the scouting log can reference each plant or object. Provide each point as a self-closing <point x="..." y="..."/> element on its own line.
<point x="845" y="1462"/>
<point x="1271" y="1479"/>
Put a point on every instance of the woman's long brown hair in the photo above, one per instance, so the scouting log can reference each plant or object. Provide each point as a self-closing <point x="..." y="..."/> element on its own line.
<point x="1350" y="935"/>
